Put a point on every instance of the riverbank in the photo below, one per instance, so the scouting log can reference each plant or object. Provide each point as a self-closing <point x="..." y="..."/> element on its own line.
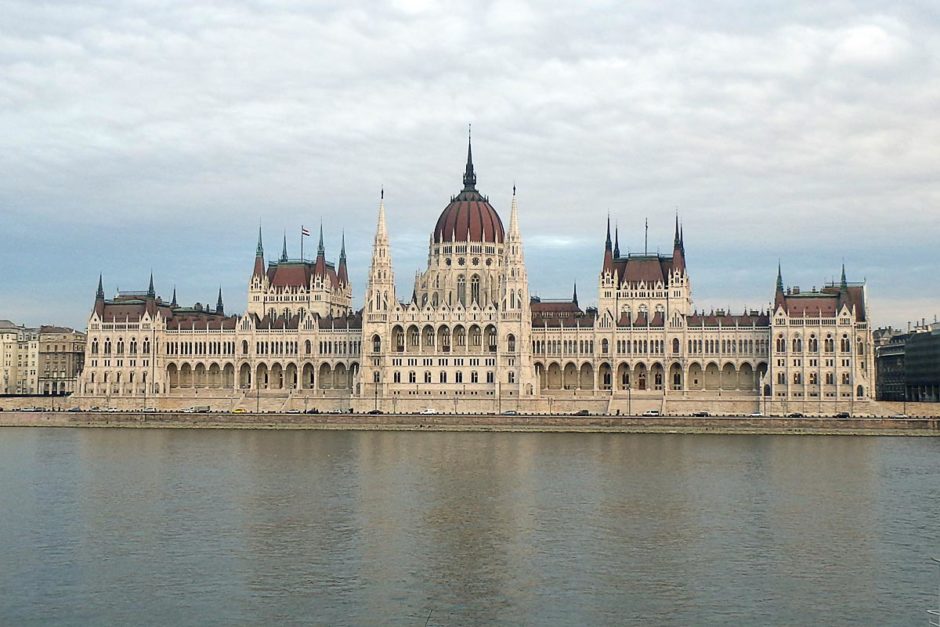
<point x="480" y="422"/>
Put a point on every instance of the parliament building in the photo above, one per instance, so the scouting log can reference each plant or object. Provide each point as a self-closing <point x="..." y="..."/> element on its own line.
<point x="470" y="338"/>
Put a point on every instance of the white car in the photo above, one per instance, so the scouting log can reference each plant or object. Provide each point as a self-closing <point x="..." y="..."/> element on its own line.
<point x="428" y="411"/>
<point x="756" y="414"/>
<point x="651" y="412"/>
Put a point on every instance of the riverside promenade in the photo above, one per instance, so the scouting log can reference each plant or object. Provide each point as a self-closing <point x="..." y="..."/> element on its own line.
<point x="716" y="425"/>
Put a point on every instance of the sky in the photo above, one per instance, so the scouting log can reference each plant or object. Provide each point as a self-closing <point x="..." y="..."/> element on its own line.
<point x="157" y="135"/>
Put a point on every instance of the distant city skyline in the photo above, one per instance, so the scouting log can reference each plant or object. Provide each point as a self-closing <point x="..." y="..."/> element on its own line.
<point x="152" y="137"/>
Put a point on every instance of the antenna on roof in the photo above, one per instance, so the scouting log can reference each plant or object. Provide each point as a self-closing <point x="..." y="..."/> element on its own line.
<point x="646" y="238"/>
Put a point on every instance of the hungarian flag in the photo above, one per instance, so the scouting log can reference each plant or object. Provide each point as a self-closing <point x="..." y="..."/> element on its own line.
<point x="304" y="232"/>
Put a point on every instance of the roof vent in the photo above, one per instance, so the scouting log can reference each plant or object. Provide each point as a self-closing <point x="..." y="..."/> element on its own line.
<point x="796" y="289"/>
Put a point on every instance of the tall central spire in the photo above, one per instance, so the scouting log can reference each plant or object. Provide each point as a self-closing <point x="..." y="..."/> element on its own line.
<point x="469" y="176"/>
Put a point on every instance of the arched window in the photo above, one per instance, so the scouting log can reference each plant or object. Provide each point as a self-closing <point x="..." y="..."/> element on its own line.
<point x="94" y="346"/>
<point x="813" y="344"/>
<point x="475" y="289"/>
<point x="797" y="344"/>
<point x="427" y="376"/>
<point x="146" y="346"/>
<point x="107" y="346"/>
<point x="376" y="344"/>
<point x="307" y="347"/>
<point x="511" y="343"/>
<point x="462" y="291"/>
<point x="829" y="344"/>
<point x="412" y="377"/>
<point x="120" y="346"/>
<point x="675" y="345"/>
<point x="846" y="345"/>
<point x="781" y="344"/>
<point x="133" y="346"/>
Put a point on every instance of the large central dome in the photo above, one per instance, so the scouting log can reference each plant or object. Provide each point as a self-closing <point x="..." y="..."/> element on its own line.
<point x="469" y="217"/>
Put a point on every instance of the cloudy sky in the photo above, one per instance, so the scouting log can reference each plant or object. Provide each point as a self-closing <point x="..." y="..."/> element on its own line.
<point x="156" y="135"/>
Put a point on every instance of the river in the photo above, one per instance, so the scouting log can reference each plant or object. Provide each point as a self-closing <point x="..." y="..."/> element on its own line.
<point x="197" y="527"/>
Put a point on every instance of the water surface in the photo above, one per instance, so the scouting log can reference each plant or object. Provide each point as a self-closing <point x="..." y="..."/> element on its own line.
<point x="124" y="526"/>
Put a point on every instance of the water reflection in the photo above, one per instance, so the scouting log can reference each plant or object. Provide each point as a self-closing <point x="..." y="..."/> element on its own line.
<point x="382" y="528"/>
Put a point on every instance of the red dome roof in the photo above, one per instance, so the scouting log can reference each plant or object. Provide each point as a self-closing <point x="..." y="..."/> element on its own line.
<point x="469" y="218"/>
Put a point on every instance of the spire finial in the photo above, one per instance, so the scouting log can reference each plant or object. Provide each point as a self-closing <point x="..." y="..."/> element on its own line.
<point x="173" y="304"/>
<point x="843" y="284"/>
<point x="469" y="176"/>
<point x="676" y="239"/>
<point x="646" y="237"/>
<point x="219" y="308"/>
<point x="574" y="296"/>
<point x="342" y="246"/>
<point x="99" y="295"/>
<point x="259" y="252"/>
<point x="779" y="277"/>
<point x="320" y="249"/>
<point x="616" y="240"/>
<point x="284" y="250"/>
<point x="607" y="245"/>
<point x="150" y="291"/>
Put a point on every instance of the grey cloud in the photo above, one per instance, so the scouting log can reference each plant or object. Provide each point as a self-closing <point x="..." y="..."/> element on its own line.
<point x="798" y="130"/>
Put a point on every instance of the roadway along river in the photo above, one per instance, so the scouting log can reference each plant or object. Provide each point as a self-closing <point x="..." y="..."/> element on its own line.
<point x="101" y="526"/>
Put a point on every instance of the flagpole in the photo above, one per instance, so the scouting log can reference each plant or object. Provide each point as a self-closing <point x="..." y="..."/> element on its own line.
<point x="301" y="242"/>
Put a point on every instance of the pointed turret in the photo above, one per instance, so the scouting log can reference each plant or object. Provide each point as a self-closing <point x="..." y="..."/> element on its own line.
<point x="779" y="297"/>
<point x="320" y="248"/>
<point x="616" y="242"/>
<point x="259" y="259"/>
<point x="173" y="304"/>
<point x="843" y="284"/>
<point x="608" y="252"/>
<point x="469" y="176"/>
<point x="219" y="308"/>
<point x="151" y="293"/>
<point x="284" y="250"/>
<point x="380" y="293"/>
<point x="99" y="298"/>
<point x="678" y="251"/>
<point x="342" y="273"/>
<point x="574" y="296"/>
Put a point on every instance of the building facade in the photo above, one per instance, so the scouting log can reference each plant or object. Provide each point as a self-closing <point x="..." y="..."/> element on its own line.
<point x="61" y="358"/>
<point x="908" y="363"/>
<point x="470" y="337"/>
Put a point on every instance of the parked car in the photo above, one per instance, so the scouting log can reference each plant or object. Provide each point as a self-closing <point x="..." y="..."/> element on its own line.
<point x="510" y="412"/>
<point x="900" y="416"/>
<point x="239" y="410"/>
<point x="376" y="411"/>
<point x="794" y="414"/>
<point x="701" y="414"/>
<point x="651" y="412"/>
<point x="843" y="414"/>
<point x="582" y="412"/>
<point x="756" y="414"/>
<point x="428" y="411"/>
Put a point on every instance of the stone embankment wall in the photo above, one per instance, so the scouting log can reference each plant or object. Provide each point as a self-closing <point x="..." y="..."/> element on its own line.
<point x="613" y="406"/>
<point x="477" y="422"/>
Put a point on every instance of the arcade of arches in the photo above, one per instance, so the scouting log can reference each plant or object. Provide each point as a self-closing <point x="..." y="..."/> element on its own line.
<point x="653" y="376"/>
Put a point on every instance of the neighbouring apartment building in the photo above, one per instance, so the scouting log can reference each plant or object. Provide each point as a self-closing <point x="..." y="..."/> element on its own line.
<point x="44" y="360"/>
<point x="61" y="357"/>
<point x="909" y="363"/>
